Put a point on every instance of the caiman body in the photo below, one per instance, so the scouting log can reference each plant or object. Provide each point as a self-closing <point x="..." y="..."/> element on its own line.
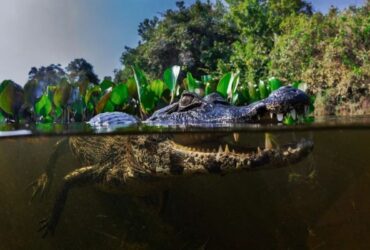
<point x="137" y="163"/>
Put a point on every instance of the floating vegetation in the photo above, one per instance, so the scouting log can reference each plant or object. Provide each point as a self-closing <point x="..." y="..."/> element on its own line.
<point x="72" y="100"/>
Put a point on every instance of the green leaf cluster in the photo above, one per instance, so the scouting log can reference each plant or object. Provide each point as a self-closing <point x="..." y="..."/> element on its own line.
<point x="64" y="102"/>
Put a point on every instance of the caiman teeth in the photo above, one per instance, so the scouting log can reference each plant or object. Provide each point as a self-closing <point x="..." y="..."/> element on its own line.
<point x="227" y="149"/>
<point x="280" y="117"/>
<point x="293" y="113"/>
<point x="268" y="142"/>
<point x="271" y="115"/>
<point x="220" y="149"/>
<point x="236" y="137"/>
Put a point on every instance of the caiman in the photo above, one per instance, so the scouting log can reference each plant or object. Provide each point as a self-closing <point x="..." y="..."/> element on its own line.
<point x="136" y="164"/>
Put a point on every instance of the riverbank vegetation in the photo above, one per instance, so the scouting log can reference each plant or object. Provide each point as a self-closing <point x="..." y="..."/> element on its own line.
<point x="233" y="49"/>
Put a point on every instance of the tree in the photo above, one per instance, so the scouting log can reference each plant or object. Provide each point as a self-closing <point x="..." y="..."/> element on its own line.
<point x="80" y="70"/>
<point x="258" y="23"/>
<point x="195" y="37"/>
<point x="45" y="76"/>
<point x="330" y="54"/>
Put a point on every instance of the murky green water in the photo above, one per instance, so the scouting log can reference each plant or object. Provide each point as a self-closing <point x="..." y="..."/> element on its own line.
<point x="322" y="202"/>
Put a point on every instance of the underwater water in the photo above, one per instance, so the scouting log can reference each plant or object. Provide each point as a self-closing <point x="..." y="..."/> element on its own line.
<point x="320" y="202"/>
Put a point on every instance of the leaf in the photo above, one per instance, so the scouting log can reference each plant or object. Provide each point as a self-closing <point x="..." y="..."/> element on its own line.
<point x="58" y="112"/>
<point x="2" y="118"/>
<point x="312" y="104"/>
<point x="225" y="84"/>
<point x="90" y="106"/>
<point x="170" y="77"/>
<point x="33" y="91"/>
<point x="208" y="88"/>
<point x="192" y="84"/>
<point x="74" y="96"/>
<point x="83" y="84"/>
<point x="241" y="95"/>
<point x="78" y="107"/>
<point x="131" y="85"/>
<point x="252" y="92"/>
<point x="288" y="120"/>
<point x="44" y="106"/>
<point x="148" y="100"/>
<point x="104" y="85"/>
<point x="303" y="86"/>
<point x="262" y="89"/>
<point x="300" y="85"/>
<point x="295" y="84"/>
<point x="274" y="83"/>
<point x="158" y="87"/>
<point x="103" y="101"/>
<point x="11" y="97"/>
<point x="206" y="78"/>
<point x="140" y="79"/>
<point x="62" y="93"/>
<point x="235" y="82"/>
<point x="119" y="94"/>
<point x="47" y="119"/>
<point x="92" y="89"/>
<point x="109" y="106"/>
<point x="228" y="85"/>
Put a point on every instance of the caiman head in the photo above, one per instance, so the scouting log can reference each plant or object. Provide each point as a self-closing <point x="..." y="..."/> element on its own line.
<point x="191" y="109"/>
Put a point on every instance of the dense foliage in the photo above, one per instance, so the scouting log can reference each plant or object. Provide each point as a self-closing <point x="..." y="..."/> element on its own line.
<point x="195" y="37"/>
<point x="331" y="54"/>
<point x="258" y="23"/>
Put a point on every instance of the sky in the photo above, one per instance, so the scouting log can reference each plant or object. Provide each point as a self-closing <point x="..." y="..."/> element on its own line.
<point x="42" y="32"/>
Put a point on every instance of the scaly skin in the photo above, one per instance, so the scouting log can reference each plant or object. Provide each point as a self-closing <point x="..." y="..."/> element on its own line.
<point x="135" y="164"/>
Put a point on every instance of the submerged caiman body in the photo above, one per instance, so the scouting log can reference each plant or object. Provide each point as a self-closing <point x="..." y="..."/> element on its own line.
<point x="135" y="163"/>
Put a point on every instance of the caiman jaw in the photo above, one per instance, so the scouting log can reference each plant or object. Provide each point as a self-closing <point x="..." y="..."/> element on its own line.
<point x="225" y="159"/>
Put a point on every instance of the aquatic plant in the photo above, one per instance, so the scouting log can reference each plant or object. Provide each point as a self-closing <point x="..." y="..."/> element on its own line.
<point x="68" y="101"/>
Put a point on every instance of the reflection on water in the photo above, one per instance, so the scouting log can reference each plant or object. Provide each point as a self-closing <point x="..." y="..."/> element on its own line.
<point x="321" y="202"/>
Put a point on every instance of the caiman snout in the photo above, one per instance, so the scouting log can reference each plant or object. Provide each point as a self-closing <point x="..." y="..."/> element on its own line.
<point x="287" y="100"/>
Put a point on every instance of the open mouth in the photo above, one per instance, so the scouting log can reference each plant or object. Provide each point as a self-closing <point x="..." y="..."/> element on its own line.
<point x="221" y="153"/>
<point x="276" y="115"/>
<point x="221" y="144"/>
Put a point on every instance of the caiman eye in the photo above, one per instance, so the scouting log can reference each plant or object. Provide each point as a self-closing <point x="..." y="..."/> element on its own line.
<point x="189" y="101"/>
<point x="186" y="100"/>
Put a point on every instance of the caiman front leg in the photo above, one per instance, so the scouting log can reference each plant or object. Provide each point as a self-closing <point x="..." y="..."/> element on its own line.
<point x="42" y="184"/>
<point x="81" y="177"/>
